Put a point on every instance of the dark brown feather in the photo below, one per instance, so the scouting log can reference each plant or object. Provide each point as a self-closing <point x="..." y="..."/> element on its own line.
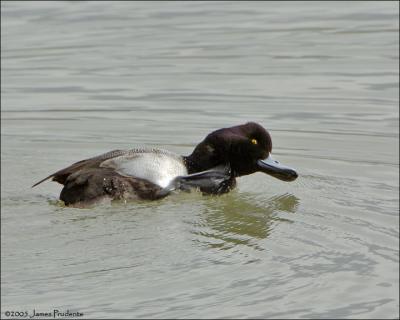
<point x="62" y="175"/>
<point x="92" y="184"/>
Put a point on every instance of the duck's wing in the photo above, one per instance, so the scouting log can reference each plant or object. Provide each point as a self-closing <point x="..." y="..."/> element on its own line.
<point x="92" y="185"/>
<point x="94" y="162"/>
<point x="213" y="181"/>
<point x="62" y="175"/>
<point x="155" y="165"/>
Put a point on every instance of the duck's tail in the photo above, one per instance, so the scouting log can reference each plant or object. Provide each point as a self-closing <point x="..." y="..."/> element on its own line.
<point x="43" y="180"/>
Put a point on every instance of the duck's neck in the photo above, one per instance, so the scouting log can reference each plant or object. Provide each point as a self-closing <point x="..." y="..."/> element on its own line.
<point x="203" y="157"/>
<point x="194" y="166"/>
<point x="191" y="165"/>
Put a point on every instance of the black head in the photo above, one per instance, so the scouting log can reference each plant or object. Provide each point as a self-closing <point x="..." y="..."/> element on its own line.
<point x="246" y="148"/>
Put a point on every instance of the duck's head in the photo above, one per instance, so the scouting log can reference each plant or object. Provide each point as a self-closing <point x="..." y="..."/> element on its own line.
<point x="245" y="148"/>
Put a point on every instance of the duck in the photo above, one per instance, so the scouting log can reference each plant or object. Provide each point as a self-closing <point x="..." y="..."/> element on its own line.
<point x="150" y="174"/>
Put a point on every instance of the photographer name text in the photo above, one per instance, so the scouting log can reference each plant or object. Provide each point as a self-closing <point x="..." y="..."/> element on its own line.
<point x="54" y="314"/>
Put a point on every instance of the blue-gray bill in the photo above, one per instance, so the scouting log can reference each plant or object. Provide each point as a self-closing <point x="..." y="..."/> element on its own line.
<point x="276" y="169"/>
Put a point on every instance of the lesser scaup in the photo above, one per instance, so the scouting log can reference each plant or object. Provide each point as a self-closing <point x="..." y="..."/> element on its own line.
<point x="153" y="173"/>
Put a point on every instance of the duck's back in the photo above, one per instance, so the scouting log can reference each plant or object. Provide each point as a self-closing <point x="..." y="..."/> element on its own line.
<point x="119" y="174"/>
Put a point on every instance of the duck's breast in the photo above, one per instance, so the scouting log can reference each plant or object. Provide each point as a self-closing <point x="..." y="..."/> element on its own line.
<point x="157" y="166"/>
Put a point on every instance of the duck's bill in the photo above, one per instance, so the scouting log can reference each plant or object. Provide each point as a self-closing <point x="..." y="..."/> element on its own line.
<point x="276" y="169"/>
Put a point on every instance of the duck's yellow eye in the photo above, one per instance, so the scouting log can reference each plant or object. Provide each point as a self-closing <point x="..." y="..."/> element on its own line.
<point x="254" y="141"/>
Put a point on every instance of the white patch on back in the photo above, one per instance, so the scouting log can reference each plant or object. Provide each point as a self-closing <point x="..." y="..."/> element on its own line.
<point x="157" y="166"/>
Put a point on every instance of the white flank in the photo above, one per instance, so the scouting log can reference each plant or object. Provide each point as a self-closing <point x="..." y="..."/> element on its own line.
<point x="157" y="166"/>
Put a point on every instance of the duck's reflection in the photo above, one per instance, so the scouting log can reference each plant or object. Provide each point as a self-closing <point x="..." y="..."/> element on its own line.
<point x="243" y="218"/>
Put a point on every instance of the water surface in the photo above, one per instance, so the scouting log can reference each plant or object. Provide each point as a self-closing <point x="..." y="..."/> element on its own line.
<point x="83" y="78"/>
